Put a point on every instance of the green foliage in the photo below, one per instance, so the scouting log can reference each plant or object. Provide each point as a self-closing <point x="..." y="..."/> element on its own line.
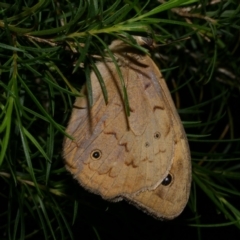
<point x="47" y="51"/>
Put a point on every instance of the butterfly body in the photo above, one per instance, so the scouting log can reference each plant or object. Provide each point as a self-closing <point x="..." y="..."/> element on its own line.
<point x="128" y="157"/>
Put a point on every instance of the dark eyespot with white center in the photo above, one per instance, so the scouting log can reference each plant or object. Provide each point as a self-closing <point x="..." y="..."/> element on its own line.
<point x="157" y="135"/>
<point x="96" y="154"/>
<point x="167" y="180"/>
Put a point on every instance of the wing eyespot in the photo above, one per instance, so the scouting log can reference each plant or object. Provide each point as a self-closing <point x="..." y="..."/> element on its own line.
<point x="96" y="154"/>
<point x="167" y="180"/>
<point x="157" y="135"/>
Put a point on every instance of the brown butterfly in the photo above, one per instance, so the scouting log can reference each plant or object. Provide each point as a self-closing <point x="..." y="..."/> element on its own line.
<point x="143" y="158"/>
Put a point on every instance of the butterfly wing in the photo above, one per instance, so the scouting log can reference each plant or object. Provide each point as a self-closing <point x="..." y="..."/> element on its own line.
<point x="128" y="157"/>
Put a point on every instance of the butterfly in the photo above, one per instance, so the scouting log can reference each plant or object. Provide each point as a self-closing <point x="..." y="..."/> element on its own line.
<point x="143" y="158"/>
